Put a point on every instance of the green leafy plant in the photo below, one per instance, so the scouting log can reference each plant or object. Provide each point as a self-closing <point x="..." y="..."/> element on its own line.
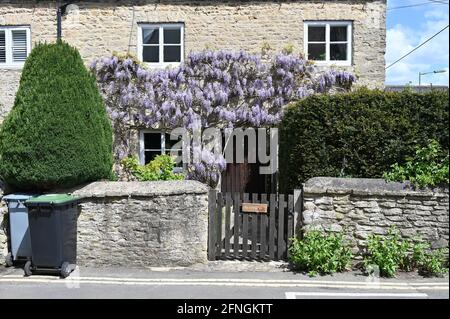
<point x="57" y="133"/>
<point x="160" y="169"/>
<point x="319" y="253"/>
<point x="430" y="262"/>
<point x="389" y="253"/>
<point x="429" y="167"/>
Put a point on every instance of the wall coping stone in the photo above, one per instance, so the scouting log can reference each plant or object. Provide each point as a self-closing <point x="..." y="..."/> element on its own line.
<point x="140" y="189"/>
<point x="368" y="187"/>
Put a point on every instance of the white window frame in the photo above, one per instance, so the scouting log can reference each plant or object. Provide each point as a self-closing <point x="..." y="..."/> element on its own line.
<point x="140" y="47"/>
<point x="8" y="46"/>
<point x="142" y="148"/>
<point x="328" y="25"/>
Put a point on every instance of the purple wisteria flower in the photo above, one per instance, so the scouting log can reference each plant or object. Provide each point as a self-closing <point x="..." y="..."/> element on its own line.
<point x="222" y="89"/>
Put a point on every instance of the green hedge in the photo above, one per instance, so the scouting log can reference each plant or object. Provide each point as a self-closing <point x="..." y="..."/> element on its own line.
<point x="358" y="134"/>
<point x="58" y="133"/>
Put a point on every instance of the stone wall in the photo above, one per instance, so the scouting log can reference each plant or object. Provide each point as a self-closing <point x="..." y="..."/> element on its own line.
<point x="97" y="28"/>
<point x="142" y="224"/>
<point x="360" y="207"/>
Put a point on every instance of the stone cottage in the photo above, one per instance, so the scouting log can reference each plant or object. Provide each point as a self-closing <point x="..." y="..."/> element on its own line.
<point x="349" y="34"/>
<point x="344" y="34"/>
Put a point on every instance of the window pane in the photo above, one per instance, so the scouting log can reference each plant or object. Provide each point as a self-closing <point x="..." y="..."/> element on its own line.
<point x="172" y="36"/>
<point x="170" y="143"/>
<point x="150" y="36"/>
<point x="152" y="141"/>
<point x="2" y="47"/>
<point x="317" y="52"/>
<point x="19" y="45"/>
<point x="172" y="53"/>
<point x="150" y="54"/>
<point x="338" y="52"/>
<point x="150" y="155"/>
<point x="316" y="34"/>
<point x="338" y="33"/>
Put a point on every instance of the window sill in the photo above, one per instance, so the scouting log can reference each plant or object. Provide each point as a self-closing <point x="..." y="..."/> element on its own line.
<point x="162" y="65"/>
<point x="332" y="63"/>
<point x="11" y="66"/>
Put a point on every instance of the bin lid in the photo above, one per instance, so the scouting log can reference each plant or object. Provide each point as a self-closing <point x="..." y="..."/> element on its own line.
<point x="52" y="199"/>
<point x="18" y="197"/>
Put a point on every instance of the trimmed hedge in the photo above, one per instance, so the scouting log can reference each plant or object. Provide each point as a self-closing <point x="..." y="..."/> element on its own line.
<point x="358" y="134"/>
<point x="58" y="133"/>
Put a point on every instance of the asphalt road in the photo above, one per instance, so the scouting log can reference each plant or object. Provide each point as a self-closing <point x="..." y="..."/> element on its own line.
<point x="187" y="284"/>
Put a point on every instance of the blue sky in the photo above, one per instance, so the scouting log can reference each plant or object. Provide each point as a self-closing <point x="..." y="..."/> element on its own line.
<point x="407" y="28"/>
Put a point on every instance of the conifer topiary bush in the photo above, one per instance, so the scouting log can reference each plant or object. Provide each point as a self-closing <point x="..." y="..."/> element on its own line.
<point x="58" y="133"/>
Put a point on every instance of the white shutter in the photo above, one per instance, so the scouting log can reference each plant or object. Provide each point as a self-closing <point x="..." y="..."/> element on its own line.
<point x="2" y="46"/>
<point x="19" y="45"/>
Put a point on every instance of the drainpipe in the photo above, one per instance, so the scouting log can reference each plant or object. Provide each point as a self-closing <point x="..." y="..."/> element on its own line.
<point x="61" y="10"/>
<point x="58" y="22"/>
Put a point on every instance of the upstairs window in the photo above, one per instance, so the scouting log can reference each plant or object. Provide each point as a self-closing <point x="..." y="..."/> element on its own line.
<point x="15" y="46"/>
<point x="161" y="45"/>
<point x="329" y="43"/>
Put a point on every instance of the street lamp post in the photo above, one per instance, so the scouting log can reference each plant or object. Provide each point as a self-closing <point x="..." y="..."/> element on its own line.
<point x="425" y="73"/>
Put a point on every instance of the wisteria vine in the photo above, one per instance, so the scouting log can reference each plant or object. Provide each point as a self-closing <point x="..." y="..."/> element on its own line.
<point x="210" y="89"/>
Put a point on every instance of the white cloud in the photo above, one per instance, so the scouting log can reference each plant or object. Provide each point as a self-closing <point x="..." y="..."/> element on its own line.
<point x="432" y="56"/>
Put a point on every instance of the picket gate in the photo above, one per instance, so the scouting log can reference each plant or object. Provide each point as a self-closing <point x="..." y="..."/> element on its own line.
<point x="241" y="228"/>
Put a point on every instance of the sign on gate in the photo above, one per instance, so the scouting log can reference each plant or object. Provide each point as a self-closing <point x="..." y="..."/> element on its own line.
<point x="254" y="208"/>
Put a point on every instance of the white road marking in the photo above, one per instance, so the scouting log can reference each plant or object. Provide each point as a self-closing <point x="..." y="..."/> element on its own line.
<point x="221" y="282"/>
<point x="293" y="295"/>
<point x="237" y="280"/>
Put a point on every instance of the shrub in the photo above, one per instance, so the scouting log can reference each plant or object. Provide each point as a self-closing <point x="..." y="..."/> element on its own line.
<point x="57" y="134"/>
<point x="429" y="167"/>
<point x="320" y="253"/>
<point x="391" y="253"/>
<point x="359" y="134"/>
<point x="430" y="262"/>
<point x="160" y="169"/>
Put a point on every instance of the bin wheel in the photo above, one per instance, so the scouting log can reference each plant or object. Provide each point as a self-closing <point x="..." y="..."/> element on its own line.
<point x="27" y="268"/>
<point x="9" y="260"/>
<point x="65" y="269"/>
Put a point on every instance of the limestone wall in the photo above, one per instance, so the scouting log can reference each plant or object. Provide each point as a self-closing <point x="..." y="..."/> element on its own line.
<point x="360" y="207"/>
<point x="143" y="224"/>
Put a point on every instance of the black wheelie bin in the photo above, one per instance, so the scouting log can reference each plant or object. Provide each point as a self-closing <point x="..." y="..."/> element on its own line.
<point x="53" y="233"/>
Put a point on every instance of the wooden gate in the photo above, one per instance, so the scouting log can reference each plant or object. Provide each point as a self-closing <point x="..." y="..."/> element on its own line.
<point x="256" y="227"/>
